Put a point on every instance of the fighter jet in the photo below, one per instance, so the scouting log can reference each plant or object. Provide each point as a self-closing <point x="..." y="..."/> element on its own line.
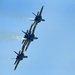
<point x="19" y="57"/>
<point x="29" y="35"/>
<point x="38" y="17"/>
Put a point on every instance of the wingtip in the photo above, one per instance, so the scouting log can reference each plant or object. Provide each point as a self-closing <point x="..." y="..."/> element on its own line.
<point x="14" y="69"/>
<point x="42" y="5"/>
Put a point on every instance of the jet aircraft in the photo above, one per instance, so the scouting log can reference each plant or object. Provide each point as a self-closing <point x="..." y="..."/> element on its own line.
<point x="28" y="32"/>
<point x="19" y="57"/>
<point x="29" y="35"/>
<point x="38" y="17"/>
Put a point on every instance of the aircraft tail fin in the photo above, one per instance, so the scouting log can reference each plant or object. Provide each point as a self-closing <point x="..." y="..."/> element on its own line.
<point x="38" y="13"/>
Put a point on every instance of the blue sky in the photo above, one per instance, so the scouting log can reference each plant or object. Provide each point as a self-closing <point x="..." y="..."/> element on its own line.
<point x="54" y="52"/>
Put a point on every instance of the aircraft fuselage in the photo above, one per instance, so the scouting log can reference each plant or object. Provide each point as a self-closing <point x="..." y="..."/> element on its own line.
<point x="38" y="19"/>
<point x="30" y="37"/>
<point x="20" y="56"/>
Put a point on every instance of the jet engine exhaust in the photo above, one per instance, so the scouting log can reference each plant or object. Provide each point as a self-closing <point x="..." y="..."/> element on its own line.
<point x="6" y="37"/>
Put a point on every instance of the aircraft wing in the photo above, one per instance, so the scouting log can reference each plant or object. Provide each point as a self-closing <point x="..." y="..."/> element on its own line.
<point x="34" y="28"/>
<point x="27" y="45"/>
<point x="16" y="64"/>
<point x="31" y="27"/>
<point x="41" y="10"/>
<point x="24" y="45"/>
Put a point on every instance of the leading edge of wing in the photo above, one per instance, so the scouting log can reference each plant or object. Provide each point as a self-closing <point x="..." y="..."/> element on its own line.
<point x="41" y="10"/>
<point x="16" y="64"/>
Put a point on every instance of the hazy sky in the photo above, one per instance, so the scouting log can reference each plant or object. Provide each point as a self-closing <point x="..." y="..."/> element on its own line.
<point x="54" y="51"/>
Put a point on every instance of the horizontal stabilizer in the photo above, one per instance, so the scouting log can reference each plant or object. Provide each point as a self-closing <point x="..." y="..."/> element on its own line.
<point x="15" y="52"/>
<point x="43" y="19"/>
<point x="25" y="57"/>
<point x="35" y="37"/>
<point x="23" y="32"/>
<point x="33" y="14"/>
